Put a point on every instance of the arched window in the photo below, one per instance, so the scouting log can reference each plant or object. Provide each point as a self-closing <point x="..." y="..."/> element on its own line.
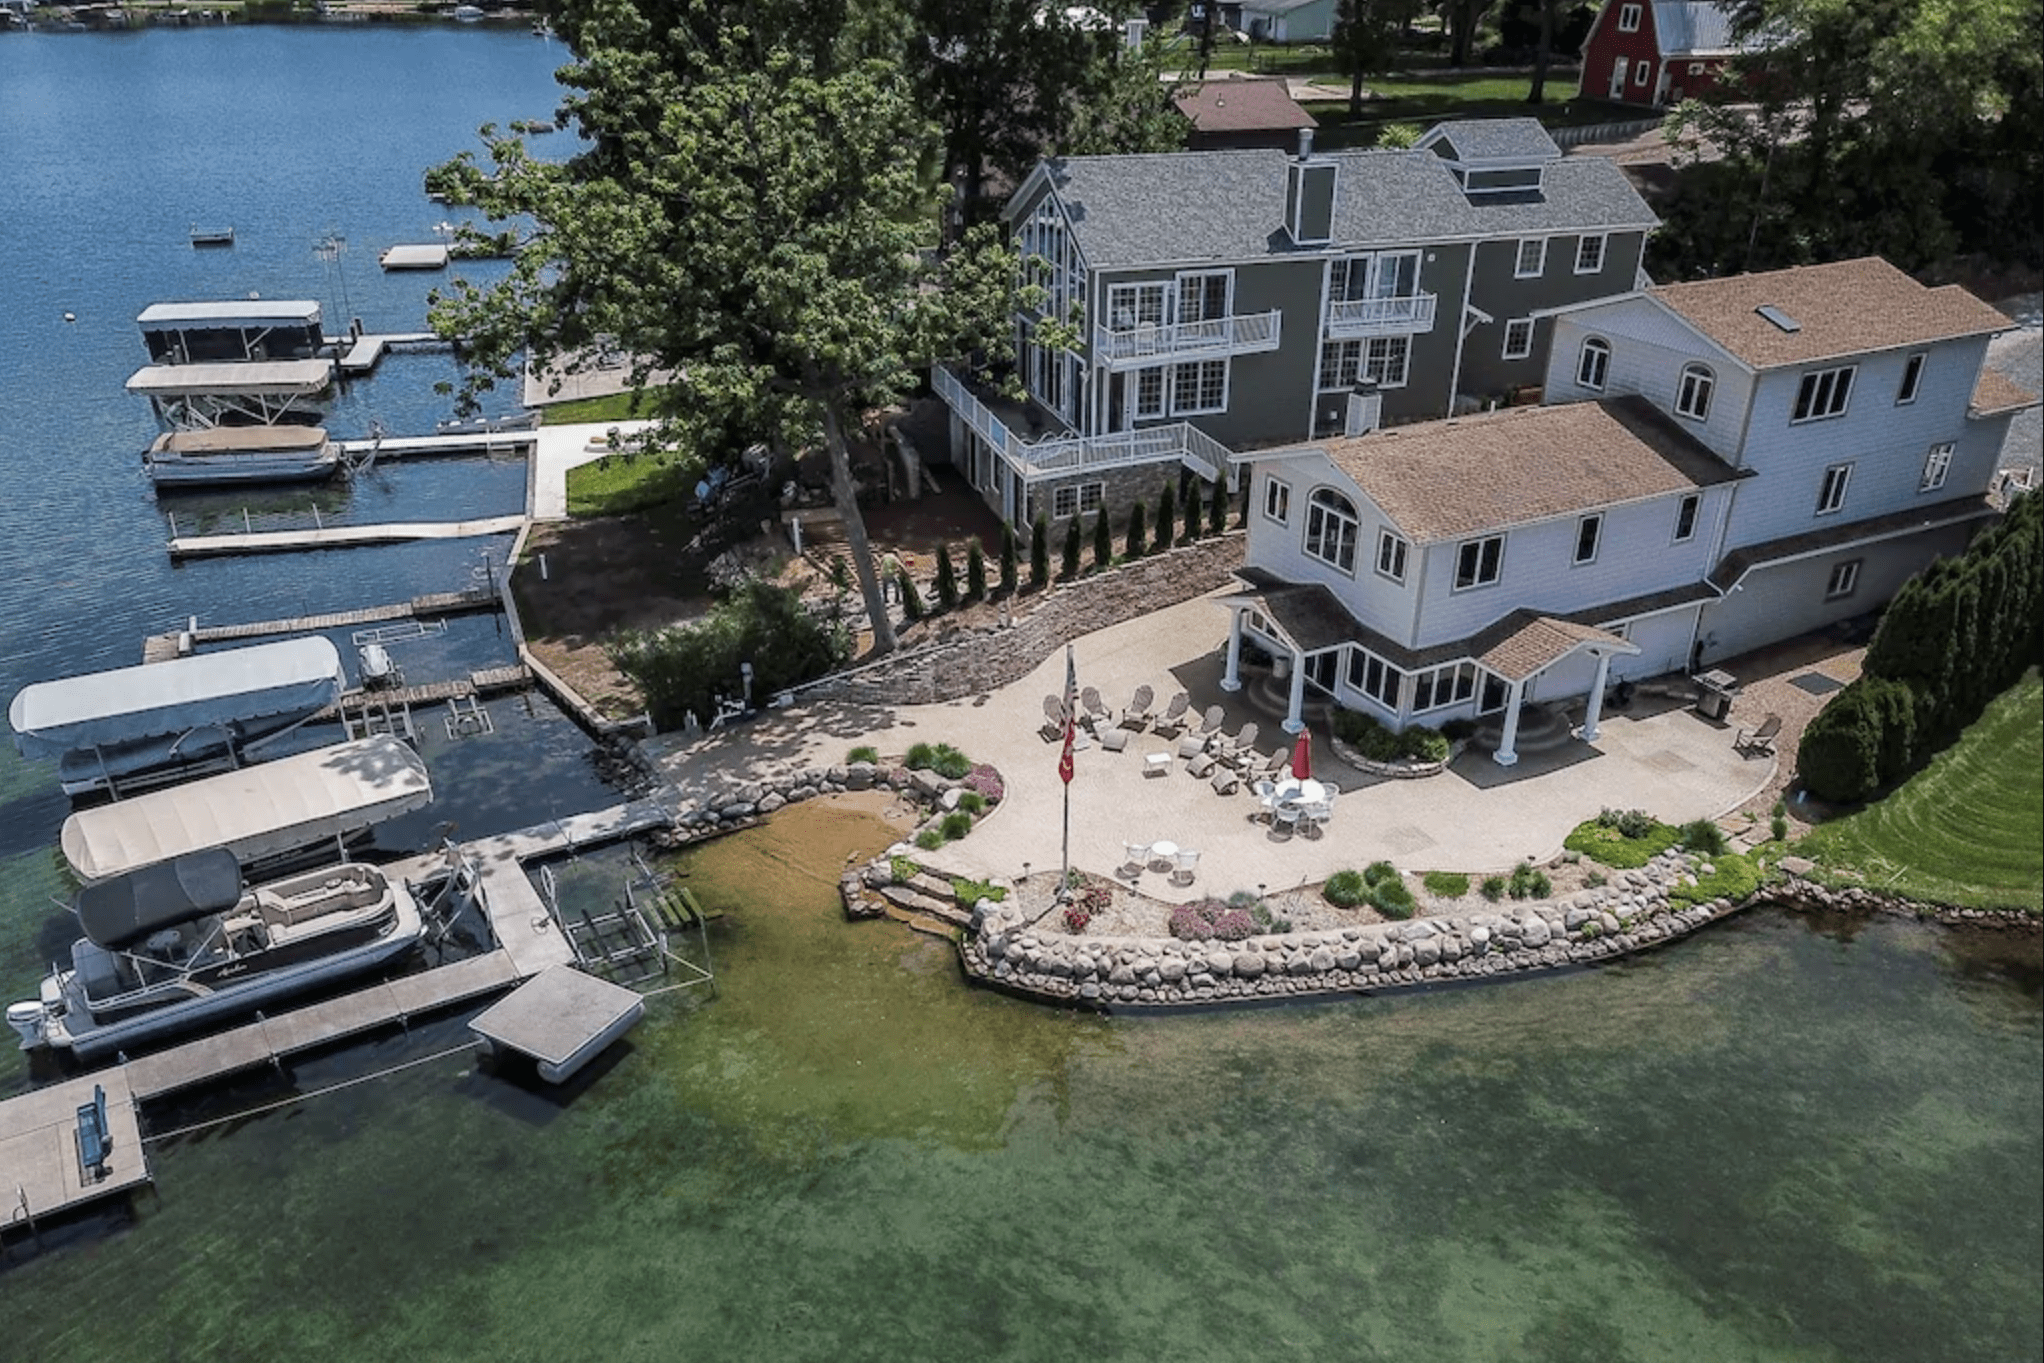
<point x="1692" y="398"/>
<point x="1331" y="529"/>
<point x="1594" y="364"/>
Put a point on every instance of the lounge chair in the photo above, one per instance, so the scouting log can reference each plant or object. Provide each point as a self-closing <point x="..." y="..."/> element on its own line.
<point x="1097" y="713"/>
<point x="1210" y="723"/>
<point x="1752" y="742"/>
<point x="1226" y="782"/>
<point x="1241" y="747"/>
<point x="1053" y="719"/>
<point x="1114" y="740"/>
<point x="1183" y="864"/>
<point x="1171" y="723"/>
<point x="1137" y="715"/>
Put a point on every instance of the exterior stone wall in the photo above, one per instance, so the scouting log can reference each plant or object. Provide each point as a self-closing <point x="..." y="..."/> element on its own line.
<point x="991" y="656"/>
<point x="1124" y="488"/>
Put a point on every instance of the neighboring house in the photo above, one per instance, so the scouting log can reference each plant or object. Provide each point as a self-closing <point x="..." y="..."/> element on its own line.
<point x="1657" y="53"/>
<point x="1288" y="21"/>
<point x="1243" y="112"/>
<point x="1239" y="298"/>
<point x="1723" y="465"/>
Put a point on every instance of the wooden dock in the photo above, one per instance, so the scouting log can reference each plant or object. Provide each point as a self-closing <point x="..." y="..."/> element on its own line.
<point x="451" y="444"/>
<point x="339" y="536"/>
<point x="483" y="682"/>
<point x="161" y="647"/>
<point x="361" y="354"/>
<point x="41" y="1172"/>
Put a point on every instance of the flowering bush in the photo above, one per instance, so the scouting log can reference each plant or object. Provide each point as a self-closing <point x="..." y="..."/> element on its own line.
<point x="1234" y="925"/>
<point x="1189" y="923"/>
<point x="986" y="781"/>
<point x="1076" y="918"/>
<point x="1094" y="897"/>
<point x="1204" y="919"/>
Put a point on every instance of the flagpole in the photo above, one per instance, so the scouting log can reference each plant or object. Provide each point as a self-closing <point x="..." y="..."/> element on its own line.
<point x="1064" y="880"/>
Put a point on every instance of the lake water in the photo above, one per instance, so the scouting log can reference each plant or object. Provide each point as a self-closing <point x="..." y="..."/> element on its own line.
<point x="1784" y="1140"/>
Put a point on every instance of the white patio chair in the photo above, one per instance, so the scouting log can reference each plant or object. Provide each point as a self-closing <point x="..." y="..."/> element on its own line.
<point x="1210" y="723"/>
<point x="1097" y="715"/>
<point x="1137" y="715"/>
<point x="1053" y="719"/>
<point x="1284" y="817"/>
<point x="1171" y="723"/>
<point x="1182" y="867"/>
<point x="1191" y="746"/>
<point x="1266" y="798"/>
<point x="1135" y="856"/>
<point x="1241" y="747"/>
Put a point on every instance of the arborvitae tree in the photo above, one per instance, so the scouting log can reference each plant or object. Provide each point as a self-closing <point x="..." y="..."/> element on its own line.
<point x="1167" y="514"/>
<point x="1138" y="534"/>
<point x="1103" y="541"/>
<point x="1194" y="513"/>
<point x="1039" y="552"/>
<point x="975" y="571"/>
<point x="947" y="579"/>
<point x="1010" y="568"/>
<point x="1217" y="520"/>
<point x="911" y="599"/>
<point x="1068" y="565"/>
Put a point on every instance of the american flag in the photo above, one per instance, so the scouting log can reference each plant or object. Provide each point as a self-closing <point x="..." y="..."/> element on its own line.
<point x="1064" y="762"/>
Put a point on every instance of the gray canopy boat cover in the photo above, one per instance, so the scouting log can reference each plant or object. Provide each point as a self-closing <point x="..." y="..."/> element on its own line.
<point x="119" y="913"/>
<point x="295" y="677"/>
<point x="256" y="812"/>
<point x="232" y="313"/>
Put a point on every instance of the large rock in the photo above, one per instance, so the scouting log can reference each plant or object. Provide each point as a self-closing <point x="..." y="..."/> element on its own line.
<point x="1322" y="960"/>
<point x="1427" y="952"/>
<point x="1220" y="963"/>
<point x="1247" y="965"/>
<point x="1171" y="969"/>
<point x="772" y="801"/>
<point x="859" y="776"/>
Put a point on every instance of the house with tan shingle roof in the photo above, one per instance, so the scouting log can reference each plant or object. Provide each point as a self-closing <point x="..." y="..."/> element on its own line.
<point x="1718" y="466"/>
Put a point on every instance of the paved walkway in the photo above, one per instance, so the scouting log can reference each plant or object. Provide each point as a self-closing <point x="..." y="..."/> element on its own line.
<point x="1476" y="817"/>
<point x="561" y="448"/>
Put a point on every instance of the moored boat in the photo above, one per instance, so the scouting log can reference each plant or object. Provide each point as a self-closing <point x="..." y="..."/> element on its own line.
<point x="242" y="454"/>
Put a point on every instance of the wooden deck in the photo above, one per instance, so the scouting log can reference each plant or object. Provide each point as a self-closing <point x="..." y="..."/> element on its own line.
<point x="363" y="353"/>
<point x="457" y="443"/>
<point x="488" y="681"/>
<point x="339" y="536"/>
<point x="161" y="647"/>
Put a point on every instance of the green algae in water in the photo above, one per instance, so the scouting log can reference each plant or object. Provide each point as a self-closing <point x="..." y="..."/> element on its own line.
<point x="1766" y="1143"/>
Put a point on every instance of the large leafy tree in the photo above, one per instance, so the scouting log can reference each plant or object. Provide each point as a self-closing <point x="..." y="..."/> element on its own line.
<point x="748" y="215"/>
<point x="1905" y="128"/>
<point x="1013" y="80"/>
<point x="1365" y="41"/>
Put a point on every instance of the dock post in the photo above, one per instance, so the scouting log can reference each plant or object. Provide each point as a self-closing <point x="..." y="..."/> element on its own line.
<point x="317" y="524"/>
<point x="245" y="526"/>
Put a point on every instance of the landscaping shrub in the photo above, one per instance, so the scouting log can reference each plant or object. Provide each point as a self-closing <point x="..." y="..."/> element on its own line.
<point x="1777" y="828"/>
<point x="1391" y="899"/>
<point x="1138" y="533"/>
<point x="1217" y="506"/>
<point x="921" y="757"/>
<point x="1493" y="888"/>
<point x="1076" y="918"/>
<point x="1039" y="552"/>
<point x="975" y="571"/>
<point x="1630" y="823"/>
<point x="1446" y="884"/>
<point x="863" y="753"/>
<point x="685" y="667"/>
<point x="1704" y="836"/>
<point x="929" y="839"/>
<point x="1540" y="885"/>
<point x="1377" y="872"/>
<point x="947" y="579"/>
<point x="941" y="758"/>
<point x="1167" y="514"/>
<point x="1603" y="839"/>
<point x="971" y="891"/>
<point x="1345" y="889"/>
<point x="1596" y="879"/>
<point x="911" y="599"/>
<point x="1520" y="886"/>
<point x="1103" y="541"/>
<point x="972" y="802"/>
<point x="1193" y="513"/>
<point x="1235" y="925"/>
<point x="904" y="868"/>
<point x="1008" y="559"/>
<point x="1068" y="562"/>
<point x="1194" y="922"/>
<point x="1733" y="876"/>
<point x="985" y="782"/>
<point x="955" y="825"/>
<point x="1373" y="740"/>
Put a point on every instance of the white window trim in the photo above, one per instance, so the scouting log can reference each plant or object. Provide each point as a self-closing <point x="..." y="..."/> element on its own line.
<point x="1837" y="503"/>
<point x="1137" y="411"/>
<point x="1937" y="466"/>
<point x="1519" y="270"/>
<point x="1695" y="520"/>
<point x="1455" y="567"/>
<point x="1682" y="391"/>
<point x="1171" y="387"/>
<point x="1909" y="392"/>
<point x="1454" y="673"/>
<point x="1133" y="292"/>
<point x="1351" y="516"/>
<point x="1851" y="372"/>
<point x="1404" y="366"/>
<point x="1279" y="491"/>
<point x="1641" y="69"/>
<point x="1576" y="559"/>
<point x="1355" y="675"/>
<point x="1625" y="12"/>
<point x="1603" y="240"/>
<point x="1582" y="354"/>
<point x="1843" y="581"/>
<point x="1080" y="501"/>
<point x="1525" y="348"/>
<point x="1178" y="284"/>
<point x="1402" y="556"/>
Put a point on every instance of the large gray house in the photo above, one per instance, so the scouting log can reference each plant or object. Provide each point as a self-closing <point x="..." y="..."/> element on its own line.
<point x="1720" y="465"/>
<point x="1234" y="299"/>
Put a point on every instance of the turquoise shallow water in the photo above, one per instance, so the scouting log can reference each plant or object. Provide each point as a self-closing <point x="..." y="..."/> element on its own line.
<point x="1771" y="1143"/>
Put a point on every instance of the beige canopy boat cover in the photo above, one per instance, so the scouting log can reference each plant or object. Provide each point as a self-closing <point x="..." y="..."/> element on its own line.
<point x="255" y="812"/>
<point x="269" y="378"/>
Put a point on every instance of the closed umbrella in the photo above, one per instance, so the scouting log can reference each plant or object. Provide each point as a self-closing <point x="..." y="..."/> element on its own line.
<point x="1302" y="756"/>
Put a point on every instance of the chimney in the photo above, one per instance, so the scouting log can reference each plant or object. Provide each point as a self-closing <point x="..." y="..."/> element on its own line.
<point x="1365" y="409"/>
<point x="1305" y="143"/>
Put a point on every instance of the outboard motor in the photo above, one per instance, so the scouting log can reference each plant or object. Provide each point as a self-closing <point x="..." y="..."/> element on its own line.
<point x="378" y="667"/>
<point x="26" y="1018"/>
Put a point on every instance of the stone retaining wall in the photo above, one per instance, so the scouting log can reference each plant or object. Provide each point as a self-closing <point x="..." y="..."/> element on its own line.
<point x="1396" y="771"/>
<point x="1808" y="896"/>
<point x="991" y="657"/>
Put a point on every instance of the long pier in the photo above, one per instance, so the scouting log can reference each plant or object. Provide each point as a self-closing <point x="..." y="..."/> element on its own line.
<point x="452" y="443"/>
<point x="339" y="536"/>
<point x="162" y="647"/>
<point x="361" y="354"/>
<point x="40" y="1167"/>
<point x="484" y="682"/>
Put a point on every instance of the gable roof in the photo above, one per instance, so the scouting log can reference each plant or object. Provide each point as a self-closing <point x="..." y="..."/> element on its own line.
<point x="1196" y="206"/>
<point x="1493" y="139"/>
<point x="1275" y="6"/>
<point x="1443" y="480"/>
<point x="1698" y="28"/>
<point x="1995" y="393"/>
<point x="1537" y="642"/>
<point x="1850" y="307"/>
<point x="1243" y="105"/>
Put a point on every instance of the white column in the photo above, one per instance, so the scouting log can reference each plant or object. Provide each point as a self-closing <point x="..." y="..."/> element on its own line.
<point x="1296" y="720"/>
<point x="1596" y="710"/>
<point x="1231" y="679"/>
<point x="1506" y="755"/>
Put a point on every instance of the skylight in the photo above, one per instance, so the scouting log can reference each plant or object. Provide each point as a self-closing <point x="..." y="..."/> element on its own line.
<point x="1779" y="318"/>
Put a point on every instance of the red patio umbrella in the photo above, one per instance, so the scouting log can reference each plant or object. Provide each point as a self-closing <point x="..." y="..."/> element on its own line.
<point x="1302" y="756"/>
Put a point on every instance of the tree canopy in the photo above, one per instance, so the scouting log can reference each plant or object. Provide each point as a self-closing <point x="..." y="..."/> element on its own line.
<point x="1912" y="129"/>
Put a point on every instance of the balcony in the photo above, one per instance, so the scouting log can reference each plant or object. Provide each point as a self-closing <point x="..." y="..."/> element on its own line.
<point x="1062" y="454"/>
<point x="1359" y="317"/>
<point x="1136" y="347"/>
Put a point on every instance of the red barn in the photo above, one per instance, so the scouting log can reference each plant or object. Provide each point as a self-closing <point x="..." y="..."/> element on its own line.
<point x="1655" y="53"/>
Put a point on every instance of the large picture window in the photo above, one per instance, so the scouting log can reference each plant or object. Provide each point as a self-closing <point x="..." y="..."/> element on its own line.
<point x="1203" y="297"/>
<point x="1199" y="387"/>
<point x="1331" y="529"/>
<point x="1384" y="360"/>
<point x="1824" y="393"/>
<point x="1135" y="305"/>
<point x="1478" y="562"/>
<point x="1443" y="686"/>
<point x="1374" y="677"/>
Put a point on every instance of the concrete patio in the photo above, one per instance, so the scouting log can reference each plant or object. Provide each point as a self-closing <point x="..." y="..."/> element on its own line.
<point x="1475" y="817"/>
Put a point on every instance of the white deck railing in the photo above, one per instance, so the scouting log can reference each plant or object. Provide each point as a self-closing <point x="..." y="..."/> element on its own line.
<point x="1410" y="315"/>
<point x="1243" y="334"/>
<point x="1059" y="455"/>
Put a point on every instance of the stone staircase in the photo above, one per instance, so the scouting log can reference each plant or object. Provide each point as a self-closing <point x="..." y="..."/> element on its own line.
<point x="1541" y="729"/>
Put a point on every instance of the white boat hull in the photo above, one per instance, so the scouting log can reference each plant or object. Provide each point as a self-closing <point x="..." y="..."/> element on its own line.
<point x="243" y="468"/>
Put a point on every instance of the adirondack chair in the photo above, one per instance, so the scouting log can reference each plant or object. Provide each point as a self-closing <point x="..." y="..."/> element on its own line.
<point x="1210" y="723"/>
<point x="1137" y="715"/>
<point x="1053" y="727"/>
<point x="1241" y="747"/>
<point x="1171" y="723"/>
<point x="1752" y="742"/>
<point x="1097" y="713"/>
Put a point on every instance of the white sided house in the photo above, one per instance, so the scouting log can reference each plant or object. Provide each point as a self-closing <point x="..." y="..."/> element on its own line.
<point x="1719" y="466"/>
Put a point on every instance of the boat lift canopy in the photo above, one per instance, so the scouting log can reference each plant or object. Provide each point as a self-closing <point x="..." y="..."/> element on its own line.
<point x="119" y="913"/>
<point x="255" y="378"/>
<point x="233" y="313"/>
<point x="207" y="690"/>
<point x="256" y="812"/>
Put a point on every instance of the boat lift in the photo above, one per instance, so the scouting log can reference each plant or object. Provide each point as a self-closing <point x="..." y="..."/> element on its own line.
<point x="633" y="943"/>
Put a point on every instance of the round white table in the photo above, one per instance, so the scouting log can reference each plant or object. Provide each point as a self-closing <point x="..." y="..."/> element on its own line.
<point x="1294" y="792"/>
<point x="1163" y="851"/>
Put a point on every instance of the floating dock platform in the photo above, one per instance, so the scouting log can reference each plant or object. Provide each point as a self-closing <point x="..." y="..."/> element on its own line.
<point x="562" y="1018"/>
<point x="175" y="644"/>
<point x="432" y="256"/>
<point x="361" y="353"/>
<point x="42" y="1161"/>
<point x="339" y="536"/>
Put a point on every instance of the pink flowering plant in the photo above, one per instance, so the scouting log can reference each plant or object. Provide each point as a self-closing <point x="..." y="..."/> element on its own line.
<point x="986" y="781"/>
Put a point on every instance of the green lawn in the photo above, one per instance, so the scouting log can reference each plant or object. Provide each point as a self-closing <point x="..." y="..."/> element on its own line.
<point x="621" y="484"/>
<point x="1424" y="99"/>
<point x="1964" y="830"/>
<point x="615" y="407"/>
